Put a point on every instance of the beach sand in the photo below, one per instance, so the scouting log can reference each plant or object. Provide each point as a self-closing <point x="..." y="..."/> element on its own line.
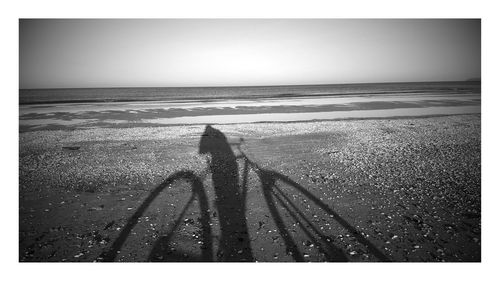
<point x="405" y="189"/>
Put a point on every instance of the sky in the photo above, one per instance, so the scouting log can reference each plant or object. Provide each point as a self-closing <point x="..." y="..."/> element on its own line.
<point x="71" y="53"/>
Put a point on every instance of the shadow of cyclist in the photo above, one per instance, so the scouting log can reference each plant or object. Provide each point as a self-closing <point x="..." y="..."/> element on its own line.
<point x="234" y="244"/>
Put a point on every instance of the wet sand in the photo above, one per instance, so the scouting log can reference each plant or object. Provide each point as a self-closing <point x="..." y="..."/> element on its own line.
<point x="129" y="114"/>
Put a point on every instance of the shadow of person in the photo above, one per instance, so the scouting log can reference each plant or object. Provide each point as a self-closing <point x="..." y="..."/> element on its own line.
<point x="234" y="241"/>
<point x="234" y="244"/>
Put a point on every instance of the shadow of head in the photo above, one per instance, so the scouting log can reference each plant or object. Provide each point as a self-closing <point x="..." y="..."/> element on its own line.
<point x="214" y="141"/>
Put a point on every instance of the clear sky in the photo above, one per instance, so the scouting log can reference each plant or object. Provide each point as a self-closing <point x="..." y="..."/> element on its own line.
<point x="236" y="52"/>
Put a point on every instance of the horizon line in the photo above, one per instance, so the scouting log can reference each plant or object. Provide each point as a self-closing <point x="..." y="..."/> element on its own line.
<point x="252" y="86"/>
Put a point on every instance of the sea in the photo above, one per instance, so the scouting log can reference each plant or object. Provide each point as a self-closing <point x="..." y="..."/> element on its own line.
<point x="97" y="95"/>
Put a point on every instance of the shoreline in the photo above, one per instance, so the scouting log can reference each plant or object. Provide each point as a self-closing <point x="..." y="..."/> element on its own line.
<point x="153" y="125"/>
<point x="70" y="127"/>
<point x="243" y="111"/>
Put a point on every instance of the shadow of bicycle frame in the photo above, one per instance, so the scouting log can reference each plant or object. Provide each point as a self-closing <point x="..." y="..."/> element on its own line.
<point x="274" y="197"/>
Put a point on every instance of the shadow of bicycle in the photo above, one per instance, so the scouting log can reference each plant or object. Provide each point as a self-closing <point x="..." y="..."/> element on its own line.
<point x="231" y="241"/>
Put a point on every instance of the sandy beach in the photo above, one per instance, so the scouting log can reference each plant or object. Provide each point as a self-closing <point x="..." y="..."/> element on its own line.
<point x="390" y="189"/>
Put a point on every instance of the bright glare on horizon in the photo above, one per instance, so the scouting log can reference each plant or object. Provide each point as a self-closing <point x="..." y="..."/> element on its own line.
<point x="236" y="52"/>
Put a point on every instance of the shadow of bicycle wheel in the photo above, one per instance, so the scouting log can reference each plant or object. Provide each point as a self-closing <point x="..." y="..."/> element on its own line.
<point x="276" y="197"/>
<point x="197" y="192"/>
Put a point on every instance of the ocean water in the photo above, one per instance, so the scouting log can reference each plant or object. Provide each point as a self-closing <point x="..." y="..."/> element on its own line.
<point x="91" y="95"/>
